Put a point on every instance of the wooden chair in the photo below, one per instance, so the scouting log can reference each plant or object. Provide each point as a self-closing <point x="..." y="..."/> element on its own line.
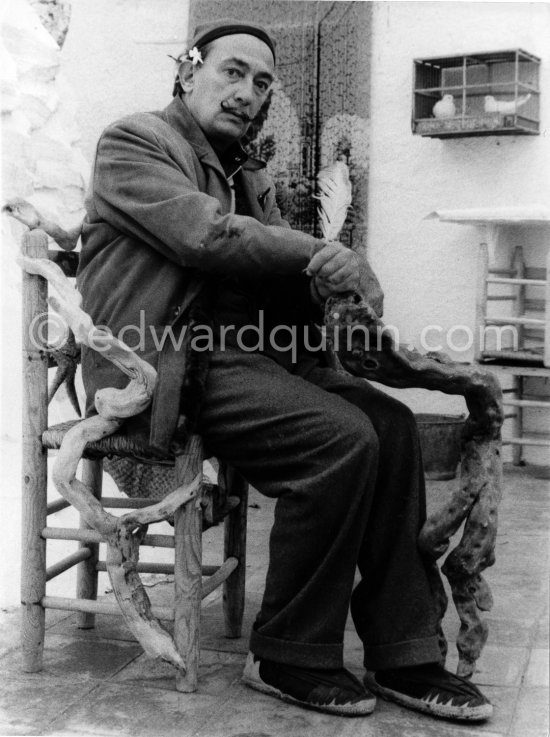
<point x="188" y="571"/>
<point x="520" y="298"/>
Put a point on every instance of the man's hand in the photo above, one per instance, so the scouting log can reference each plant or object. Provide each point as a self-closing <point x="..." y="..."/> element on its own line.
<point x="335" y="268"/>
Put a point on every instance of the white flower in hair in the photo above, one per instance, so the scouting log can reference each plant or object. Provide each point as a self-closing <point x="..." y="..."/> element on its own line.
<point x="195" y="56"/>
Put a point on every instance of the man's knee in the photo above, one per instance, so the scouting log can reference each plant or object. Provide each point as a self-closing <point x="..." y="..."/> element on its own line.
<point x="356" y="434"/>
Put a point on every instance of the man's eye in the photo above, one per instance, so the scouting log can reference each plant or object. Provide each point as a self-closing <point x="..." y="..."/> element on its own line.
<point x="262" y="86"/>
<point x="233" y="72"/>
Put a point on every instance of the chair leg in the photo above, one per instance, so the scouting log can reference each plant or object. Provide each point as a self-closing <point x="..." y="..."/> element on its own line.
<point x="517" y="422"/>
<point x="35" y="464"/>
<point x="187" y="569"/>
<point x="235" y="546"/>
<point x="33" y="559"/>
<point x="86" y="576"/>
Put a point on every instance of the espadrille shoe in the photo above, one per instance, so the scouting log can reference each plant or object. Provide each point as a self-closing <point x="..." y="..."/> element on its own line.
<point x="431" y="689"/>
<point x="334" y="691"/>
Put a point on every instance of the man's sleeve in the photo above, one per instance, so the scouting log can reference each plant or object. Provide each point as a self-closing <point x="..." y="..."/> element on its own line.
<point x="140" y="190"/>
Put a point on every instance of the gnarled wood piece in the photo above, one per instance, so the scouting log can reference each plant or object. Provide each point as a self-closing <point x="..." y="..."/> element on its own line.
<point x="124" y="534"/>
<point x="28" y="215"/>
<point x="366" y="349"/>
<point x="67" y="358"/>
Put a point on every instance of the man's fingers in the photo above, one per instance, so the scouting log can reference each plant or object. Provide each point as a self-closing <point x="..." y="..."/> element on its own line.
<point x="322" y="257"/>
<point x="345" y="272"/>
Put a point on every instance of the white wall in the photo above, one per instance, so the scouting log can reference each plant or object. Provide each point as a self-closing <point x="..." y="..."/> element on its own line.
<point x="428" y="268"/>
<point x="116" y="58"/>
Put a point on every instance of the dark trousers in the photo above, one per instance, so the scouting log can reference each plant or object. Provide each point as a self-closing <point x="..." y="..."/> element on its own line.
<point x="343" y="460"/>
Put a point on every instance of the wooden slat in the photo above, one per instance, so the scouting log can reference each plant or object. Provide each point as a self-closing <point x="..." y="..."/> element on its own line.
<point x="68" y="562"/>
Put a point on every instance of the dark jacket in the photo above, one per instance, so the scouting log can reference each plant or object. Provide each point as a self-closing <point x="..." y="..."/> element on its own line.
<point x="158" y="224"/>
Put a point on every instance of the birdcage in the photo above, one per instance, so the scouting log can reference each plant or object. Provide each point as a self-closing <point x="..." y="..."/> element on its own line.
<point x="485" y="94"/>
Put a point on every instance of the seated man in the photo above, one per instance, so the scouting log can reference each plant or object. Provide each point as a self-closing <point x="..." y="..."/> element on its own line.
<point x="182" y="228"/>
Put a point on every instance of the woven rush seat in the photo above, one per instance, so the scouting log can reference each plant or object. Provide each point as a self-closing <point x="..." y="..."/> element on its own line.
<point x="135" y="468"/>
<point x="118" y="444"/>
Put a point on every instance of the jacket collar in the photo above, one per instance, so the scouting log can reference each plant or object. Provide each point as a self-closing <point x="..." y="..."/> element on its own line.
<point x="178" y="116"/>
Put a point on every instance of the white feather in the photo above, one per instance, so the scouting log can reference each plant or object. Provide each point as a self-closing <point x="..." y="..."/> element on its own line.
<point x="334" y="198"/>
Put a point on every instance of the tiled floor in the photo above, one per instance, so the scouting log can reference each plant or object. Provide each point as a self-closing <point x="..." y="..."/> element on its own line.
<point x="99" y="682"/>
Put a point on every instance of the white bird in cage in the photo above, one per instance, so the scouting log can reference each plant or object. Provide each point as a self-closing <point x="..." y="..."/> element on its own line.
<point x="445" y="108"/>
<point x="504" y="106"/>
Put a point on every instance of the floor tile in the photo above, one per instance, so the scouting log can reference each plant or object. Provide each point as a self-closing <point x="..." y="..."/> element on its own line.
<point x="537" y="668"/>
<point x="29" y="703"/>
<point x="254" y="714"/>
<point x="78" y="659"/>
<point x="217" y="672"/>
<point x="497" y="666"/>
<point x="120" y="710"/>
<point x="531" y="713"/>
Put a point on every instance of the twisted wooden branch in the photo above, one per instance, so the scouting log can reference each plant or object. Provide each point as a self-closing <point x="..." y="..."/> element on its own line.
<point x="28" y="215"/>
<point x="366" y="349"/>
<point x="122" y="534"/>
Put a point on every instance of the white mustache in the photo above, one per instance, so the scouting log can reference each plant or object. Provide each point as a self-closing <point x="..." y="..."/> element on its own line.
<point x="227" y="108"/>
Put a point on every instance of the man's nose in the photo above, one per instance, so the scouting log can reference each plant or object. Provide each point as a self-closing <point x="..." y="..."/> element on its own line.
<point x="245" y="91"/>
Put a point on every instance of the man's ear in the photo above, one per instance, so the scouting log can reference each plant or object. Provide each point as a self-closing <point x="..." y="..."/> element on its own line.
<point x="186" y="75"/>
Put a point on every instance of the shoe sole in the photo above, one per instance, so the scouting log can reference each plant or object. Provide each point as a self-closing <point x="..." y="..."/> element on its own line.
<point x="362" y="708"/>
<point x="465" y="713"/>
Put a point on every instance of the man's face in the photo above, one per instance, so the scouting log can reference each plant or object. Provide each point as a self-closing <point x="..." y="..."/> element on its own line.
<point x="226" y="92"/>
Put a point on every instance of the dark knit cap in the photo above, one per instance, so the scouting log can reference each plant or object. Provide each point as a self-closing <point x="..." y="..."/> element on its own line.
<point x="206" y="32"/>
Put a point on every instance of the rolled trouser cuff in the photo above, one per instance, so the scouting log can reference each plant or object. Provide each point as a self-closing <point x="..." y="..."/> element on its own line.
<point x="300" y="654"/>
<point x="402" y="654"/>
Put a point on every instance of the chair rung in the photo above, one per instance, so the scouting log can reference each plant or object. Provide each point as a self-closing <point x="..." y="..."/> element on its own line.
<point x="109" y="502"/>
<point x="91" y="606"/>
<point x="159" y="568"/>
<point x="113" y="502"/>
<point x="526" y="403"/>
<point x="68" y="562"/>
<point x="528" y="441"/>
<point x="521" y="320"/>
<point x="91" y="536"/>
<point x="223" y="572"/>
<point x="57" y="505"/>
<point x="505" y="280"/>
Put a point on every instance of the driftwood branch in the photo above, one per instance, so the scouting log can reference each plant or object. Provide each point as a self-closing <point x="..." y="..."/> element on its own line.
<point x="366" y="349"/>
<point x="124" y="534"/>
<point x="28" y="215"/>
